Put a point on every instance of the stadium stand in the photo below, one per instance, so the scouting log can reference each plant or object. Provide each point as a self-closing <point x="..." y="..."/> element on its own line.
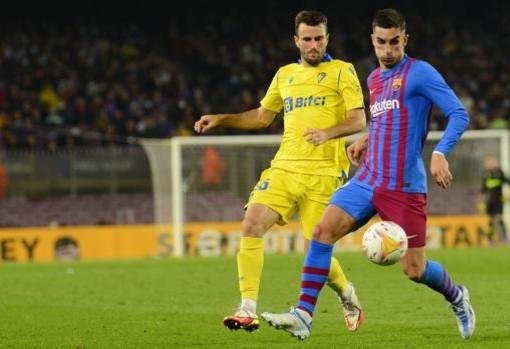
<point x="81" y="83"/>
<point x="100" y="209"/>
<point x="67" y="84"/>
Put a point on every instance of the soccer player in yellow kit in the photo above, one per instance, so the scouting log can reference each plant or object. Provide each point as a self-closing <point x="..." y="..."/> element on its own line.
<point x="322" y="102"/>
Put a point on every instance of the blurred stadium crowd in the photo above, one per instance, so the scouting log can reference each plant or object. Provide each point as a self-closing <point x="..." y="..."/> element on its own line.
<point x="66" y="83"/>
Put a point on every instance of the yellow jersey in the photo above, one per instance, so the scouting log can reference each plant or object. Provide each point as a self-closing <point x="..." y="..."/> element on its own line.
<point x="313" y="97"/>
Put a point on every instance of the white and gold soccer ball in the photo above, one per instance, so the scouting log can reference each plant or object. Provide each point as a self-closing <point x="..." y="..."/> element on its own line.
<point x="384" y="243"/>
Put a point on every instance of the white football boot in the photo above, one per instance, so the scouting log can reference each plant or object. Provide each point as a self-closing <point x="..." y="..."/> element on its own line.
<point x="292" y="322"/>
<point x="464" y="313"/>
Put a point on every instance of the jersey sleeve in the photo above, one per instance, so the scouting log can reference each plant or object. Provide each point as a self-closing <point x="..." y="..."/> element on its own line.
<point x="433" y="86"/>
<point x="273" y="99"/>
<point x="350" y="88"/>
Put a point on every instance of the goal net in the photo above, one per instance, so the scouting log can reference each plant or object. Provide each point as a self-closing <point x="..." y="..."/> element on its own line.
<point x="209" y="178"/>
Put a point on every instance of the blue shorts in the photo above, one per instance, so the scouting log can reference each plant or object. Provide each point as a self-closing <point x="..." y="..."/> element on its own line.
<point x="406" y="209"/>
<point x="356" y="200"/>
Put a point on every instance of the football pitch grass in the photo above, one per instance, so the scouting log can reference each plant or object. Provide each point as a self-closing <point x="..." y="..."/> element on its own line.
<point x="180" y="303"/>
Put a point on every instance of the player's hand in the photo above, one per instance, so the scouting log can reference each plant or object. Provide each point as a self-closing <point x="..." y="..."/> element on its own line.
<point x="206" y="122"/>
<point x="356" y="150"/>
<point x="316" y="136"/>
<point x="440" y="171"/>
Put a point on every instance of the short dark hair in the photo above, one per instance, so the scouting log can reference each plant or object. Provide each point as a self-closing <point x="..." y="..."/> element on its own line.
<point x="311" y="18"/>
<point x="389" y="18"/>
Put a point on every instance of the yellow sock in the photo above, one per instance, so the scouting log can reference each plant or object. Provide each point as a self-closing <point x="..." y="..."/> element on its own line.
<point x="336" y="277"/>
<point x="250" y="260"/>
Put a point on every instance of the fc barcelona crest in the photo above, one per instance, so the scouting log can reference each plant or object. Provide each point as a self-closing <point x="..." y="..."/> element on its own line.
<point x="396" y="84"/>
<point x="320" y="77"/>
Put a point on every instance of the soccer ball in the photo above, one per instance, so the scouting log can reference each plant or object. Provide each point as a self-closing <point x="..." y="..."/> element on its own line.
<point x="384" y="243"/>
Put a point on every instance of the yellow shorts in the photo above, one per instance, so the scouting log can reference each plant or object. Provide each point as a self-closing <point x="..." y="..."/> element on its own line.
<point x="289" y="193"/>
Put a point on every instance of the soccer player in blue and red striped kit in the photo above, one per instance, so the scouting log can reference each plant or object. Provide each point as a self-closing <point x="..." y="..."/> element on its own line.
<point x="391" y="179"/>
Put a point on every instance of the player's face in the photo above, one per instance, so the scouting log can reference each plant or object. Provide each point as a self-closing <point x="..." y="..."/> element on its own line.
<point x="389" y="45"/>
<point x="311" y="42"/>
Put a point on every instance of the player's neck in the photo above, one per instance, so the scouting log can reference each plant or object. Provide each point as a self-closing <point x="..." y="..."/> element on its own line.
<point x="308" y="65"/>
<point x="326" y="58"/>
<point x="385" y="67"/>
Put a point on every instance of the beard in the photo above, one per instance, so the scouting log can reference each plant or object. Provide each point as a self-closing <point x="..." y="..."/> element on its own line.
<point x="313" y="61"/>
<point x="389" y="63"/>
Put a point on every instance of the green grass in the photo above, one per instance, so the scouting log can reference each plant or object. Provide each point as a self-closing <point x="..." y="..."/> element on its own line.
<point x="180" y="304"/>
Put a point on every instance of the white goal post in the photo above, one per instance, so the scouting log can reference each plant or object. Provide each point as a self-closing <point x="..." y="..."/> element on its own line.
<point x="174" y="179"/>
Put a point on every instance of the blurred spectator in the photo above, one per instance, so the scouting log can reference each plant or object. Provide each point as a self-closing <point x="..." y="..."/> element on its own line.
<point x="212" y="168"/>
<point x="90" y="82"/>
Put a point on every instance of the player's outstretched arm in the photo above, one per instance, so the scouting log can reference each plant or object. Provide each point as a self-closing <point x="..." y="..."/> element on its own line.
<point x="354" y="123"/>
<point x="432" y="85"/>
<point x="249" y="120"/>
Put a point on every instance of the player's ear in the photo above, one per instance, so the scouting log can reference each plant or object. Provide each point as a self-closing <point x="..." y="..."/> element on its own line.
<point x="406" y="39"/>
<point x="296" y="39"/>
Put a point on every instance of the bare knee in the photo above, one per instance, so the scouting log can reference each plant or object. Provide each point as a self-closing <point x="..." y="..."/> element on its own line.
<point x="319" y="233"/>
<point x="327" y="234"/>
<point x="334" y="224"/>
<point x="253" y="228"/>
<point x="413" y="263"/>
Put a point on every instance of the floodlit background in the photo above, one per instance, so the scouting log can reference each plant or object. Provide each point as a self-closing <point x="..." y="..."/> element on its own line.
<point x="103" y="181"/>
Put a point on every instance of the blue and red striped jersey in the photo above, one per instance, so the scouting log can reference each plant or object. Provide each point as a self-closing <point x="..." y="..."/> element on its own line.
<point x="401" y="99"/>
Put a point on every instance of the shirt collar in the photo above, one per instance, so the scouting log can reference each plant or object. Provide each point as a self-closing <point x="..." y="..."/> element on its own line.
<point x="396" y="66"/>
<point x="326" y="58"/>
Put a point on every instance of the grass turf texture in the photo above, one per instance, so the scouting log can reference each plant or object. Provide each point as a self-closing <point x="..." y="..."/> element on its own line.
<point x="180" y="304"/>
